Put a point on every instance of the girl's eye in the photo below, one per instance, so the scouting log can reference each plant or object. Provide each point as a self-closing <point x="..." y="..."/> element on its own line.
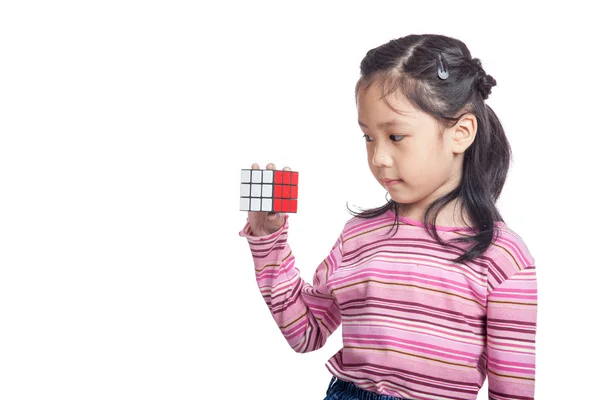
<point x="396" y="138"/>
<point x="367" y="138"/>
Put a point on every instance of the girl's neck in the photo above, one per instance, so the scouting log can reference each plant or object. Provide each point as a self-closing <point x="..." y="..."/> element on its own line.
<point x="449" y="216"/>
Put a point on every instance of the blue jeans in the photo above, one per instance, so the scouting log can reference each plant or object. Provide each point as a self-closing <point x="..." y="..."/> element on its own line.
<point x="342" y="390"/>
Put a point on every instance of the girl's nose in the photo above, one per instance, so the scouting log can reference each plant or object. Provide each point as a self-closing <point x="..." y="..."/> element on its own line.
<point x="381" y="158"/>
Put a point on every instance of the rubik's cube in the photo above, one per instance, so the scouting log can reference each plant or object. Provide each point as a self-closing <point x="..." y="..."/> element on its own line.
<point x="269" y="190"/>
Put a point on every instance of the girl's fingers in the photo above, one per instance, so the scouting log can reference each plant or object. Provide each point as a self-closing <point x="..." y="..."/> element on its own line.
<point x="269" y="166"/>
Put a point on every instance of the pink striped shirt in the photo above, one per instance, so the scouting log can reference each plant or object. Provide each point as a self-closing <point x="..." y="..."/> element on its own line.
<point x="414" y="324"/>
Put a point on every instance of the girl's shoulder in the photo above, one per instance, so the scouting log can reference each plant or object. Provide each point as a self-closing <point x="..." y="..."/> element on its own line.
<point x="510" y="243"/>
<point x="508" y="256"/>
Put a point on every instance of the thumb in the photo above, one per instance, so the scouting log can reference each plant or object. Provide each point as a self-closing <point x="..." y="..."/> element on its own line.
<point x="276" y="220"/>
<point x="274" y="216"/>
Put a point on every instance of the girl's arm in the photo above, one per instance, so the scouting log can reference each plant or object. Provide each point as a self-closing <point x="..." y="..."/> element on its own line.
<point x="305" y="314"/>
<point x="511" y="328"/>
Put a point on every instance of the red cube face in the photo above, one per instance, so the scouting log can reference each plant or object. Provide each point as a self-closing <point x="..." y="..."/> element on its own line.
<point x="277" y="205"/>
<point x="294" y="206"/>
<point x="285" y="205"/>
<point x="287" y="177"/>
<point x="294" y="178"/>
<point x="294" y="192"/>
<point x="286" y="192"/>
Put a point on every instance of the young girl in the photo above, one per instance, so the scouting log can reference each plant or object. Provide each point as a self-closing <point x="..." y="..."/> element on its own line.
<point x="433" y="290"/>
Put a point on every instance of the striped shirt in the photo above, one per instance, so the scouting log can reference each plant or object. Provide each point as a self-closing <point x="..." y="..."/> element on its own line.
<point x="415" y="324"/>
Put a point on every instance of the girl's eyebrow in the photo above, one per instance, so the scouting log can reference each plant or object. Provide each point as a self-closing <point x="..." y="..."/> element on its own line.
<point x="386" y="124"/>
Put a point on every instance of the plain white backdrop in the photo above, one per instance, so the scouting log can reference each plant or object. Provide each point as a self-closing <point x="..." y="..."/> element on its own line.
<point x="123" y="128"/>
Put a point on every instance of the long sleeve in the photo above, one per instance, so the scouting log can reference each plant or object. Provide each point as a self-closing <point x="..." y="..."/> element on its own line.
<point x="306" y="314"/>
<point x="511" y="329"/>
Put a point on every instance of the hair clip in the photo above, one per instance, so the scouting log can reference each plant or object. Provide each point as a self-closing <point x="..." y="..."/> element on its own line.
<point x="441" y="68"/>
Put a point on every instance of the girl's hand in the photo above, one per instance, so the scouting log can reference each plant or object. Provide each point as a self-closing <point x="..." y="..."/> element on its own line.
<point x="264" y="223"/>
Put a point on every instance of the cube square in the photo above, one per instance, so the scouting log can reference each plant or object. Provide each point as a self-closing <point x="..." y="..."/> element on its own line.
<point x="278" y="176"/>
<point x="268" y="176"/>
<point x="245" y="203"/>
<point x="267" y="205"/>
<point x="255" y="190"/>
<point x="246" y="175"/>
<point x="256" y="176"/>
<point x="269" y="190"/>
<point x="245" y="190"/>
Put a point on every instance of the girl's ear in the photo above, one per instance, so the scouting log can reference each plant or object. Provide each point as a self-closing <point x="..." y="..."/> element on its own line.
<point x="464" y="133"/>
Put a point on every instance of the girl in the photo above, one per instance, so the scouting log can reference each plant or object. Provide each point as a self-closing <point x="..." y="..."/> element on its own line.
<point x="433" y="291"/>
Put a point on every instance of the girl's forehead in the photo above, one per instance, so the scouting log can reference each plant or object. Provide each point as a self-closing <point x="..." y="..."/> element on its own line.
<point x="372" y="105"/>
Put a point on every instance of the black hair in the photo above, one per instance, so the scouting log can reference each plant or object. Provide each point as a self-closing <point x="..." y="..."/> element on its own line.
<point x="410" y="64"/>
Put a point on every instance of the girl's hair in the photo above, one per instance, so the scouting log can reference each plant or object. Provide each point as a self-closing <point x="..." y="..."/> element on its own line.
<point x="410" y="64"/>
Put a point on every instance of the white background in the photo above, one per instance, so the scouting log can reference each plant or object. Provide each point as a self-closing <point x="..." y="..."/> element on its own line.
<point x="124" y="126"/>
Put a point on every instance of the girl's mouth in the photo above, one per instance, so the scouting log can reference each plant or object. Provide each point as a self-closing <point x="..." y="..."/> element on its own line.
<point x="389" y="182"/>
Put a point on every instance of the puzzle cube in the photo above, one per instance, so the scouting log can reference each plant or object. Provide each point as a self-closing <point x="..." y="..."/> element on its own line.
<point x="269" y="190"/>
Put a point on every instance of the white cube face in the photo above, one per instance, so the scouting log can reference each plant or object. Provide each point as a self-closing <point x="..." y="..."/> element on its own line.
<point x="245" y="204"/>
<point x="255" y="191"/>
<point x="267" y="205"/>
<point x="267" y="190"/>
<point x="246" y="176"/>
<point x="268" y="176"/>
<point x="254" y="204"/>
<point x="256" y="176"/>
<point x="245" y="190"/>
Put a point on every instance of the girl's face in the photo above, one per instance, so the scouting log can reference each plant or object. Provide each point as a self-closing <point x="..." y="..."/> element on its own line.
<point x="406" y="152"/>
